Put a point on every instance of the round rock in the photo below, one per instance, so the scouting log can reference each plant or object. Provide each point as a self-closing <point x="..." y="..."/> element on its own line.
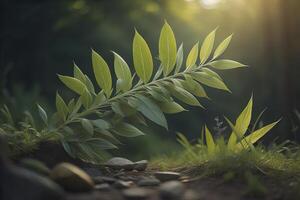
<point x="171" y="190"/>
<point x="141" y="165"/>
<point x="120" y="163"/>
<point x="167" y="176"/>
<point x="72" y="178"/>
<point x="148" y="182"/>
<point x="136" y="193"/>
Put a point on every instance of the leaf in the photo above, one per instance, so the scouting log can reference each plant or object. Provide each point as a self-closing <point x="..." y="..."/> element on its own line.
<point x="98" y="143"/>
<point x="194" y="87"/>
<point x="255" y="136"/>
<point x="88" y="126"/>
<point x="122" y="72"/>
<point x="89" y="85"/>
<point x="61" y="107"/>
<point x="210" y="81"/>
<point x="101" y="124"/>
<point x="207" y="46"/>
<point x="185" y="96"/>
<point x="192" y="56"/>
<point x="211" y="146"/>
<point x="171" y="107"/>
<point x="102" y="73"/>
<point x="68" y="149"/>
<point x="211" y="72"/>
<point x="127" y="130"/>
<point x="100" y="98"/>
<point x="226" y="64"/>
<point x="241" y="125"/>
<point x="149" y="110"/>
<point x="73" y="83"/>
<point x="222" y="47"/>
<point x="86" y="99"/>
<point x="167" y="49"/>
<point x="43" y="114"/>
<point x="78" y="74"/>
<point x="179" y="58"/>
<point x="142" y="58"/>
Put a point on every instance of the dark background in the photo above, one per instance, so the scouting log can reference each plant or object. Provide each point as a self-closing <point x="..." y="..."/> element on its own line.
<point x="39" y="39"/>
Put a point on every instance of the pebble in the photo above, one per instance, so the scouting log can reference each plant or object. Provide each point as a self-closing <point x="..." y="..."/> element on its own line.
<point x="123" y="184"/>
<point x="167" y="176"/>
<point x="141" y="165"/>
<point x="102" y="187"/>
<point x="119" y="163"/>
<point x="148" y="182"/>
<point x="104" y="179"/>
<point x="137" y="193"/>
<point x="171" y="190"/>
<point x="72" y="178"/>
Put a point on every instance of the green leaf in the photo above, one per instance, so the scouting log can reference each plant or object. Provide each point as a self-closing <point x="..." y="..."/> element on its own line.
<point x="142" y="58"/>
<point x="43" y="114"/>
<point x="194" y="87"/>
<point x="88" y="126"/>
<point x="222" y="47"/>
<point x="122" y="72"/>
<point x="97" y="143"/>
<point x="127" y="130"/>
<point x="210" y="81"/>
<point x="171" y="107"/>
<point x="167" y="49"/>
<point x="255" y="136"/>
<point x="78" y="73"/>
<point x="241" y="125"/>
<point x="89" y="85"/>
<point x="192" y="56"/>
<point x="61" y="107"/>
<point x="102" y="73"/>
<point x="73" y="83"/>
<point x="179" y="58"/>
<point x="149" y="110"/>
<point x="226" y="64"/>
<point x="100" y="98"/>
<point x="211" y="146"/>
<point x="185" y="96"/>
<point x="207" y="46"/>
<point x="101" y="124"/>
<point x="86" y="99"/>
<point x="211" y="72"/>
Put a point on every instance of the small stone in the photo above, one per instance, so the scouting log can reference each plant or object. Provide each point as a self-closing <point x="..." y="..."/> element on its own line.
<point x="171" y="190"/>
<point x="148" y="182"/>
<point x="72" y="178"/>
<point x="102" y="187"/>
<point x="104" y="179"/>
<point x="35" y="165"/>
<point x="141" y="165"/>
<point x="167" y="176"/>
<point x="137" y="193"/>
<point x="123" y="184"/>
<point x="119" y="163"/>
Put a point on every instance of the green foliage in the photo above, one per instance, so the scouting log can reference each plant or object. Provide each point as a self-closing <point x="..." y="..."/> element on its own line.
<point x="237" y="140"/>
<point x="88" y="124"/>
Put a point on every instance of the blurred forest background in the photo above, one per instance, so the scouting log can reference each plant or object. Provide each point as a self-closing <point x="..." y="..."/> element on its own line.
<point x="39" y="39"/>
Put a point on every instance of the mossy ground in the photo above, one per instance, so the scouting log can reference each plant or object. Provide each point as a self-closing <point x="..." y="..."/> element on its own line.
<point x="267" y="173"/>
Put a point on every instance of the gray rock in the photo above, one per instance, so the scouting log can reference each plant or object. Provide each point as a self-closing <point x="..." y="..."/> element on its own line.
<point x="102" y="187"/>
<point x="123" y="184"/>
<point x="146" y="182"/>
<point x="72" y="178"/>
<point x="171" y="190"/>
<point x="104" y="179"/>
<point x="35" y="165"/>
<point x="167" y="176"/>
<point x="141" y="165"/>
<point x="137" y="193"/>
<point x="92" y="171"/>
<point x="18" y="183"/>
<point x="119" y="163"/>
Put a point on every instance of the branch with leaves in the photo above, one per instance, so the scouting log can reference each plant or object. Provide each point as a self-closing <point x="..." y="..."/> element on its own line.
<point x="90" y="123"/>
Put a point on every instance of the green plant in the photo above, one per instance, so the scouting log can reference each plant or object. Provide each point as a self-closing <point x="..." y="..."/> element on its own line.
<point x="237" y="141"/>
<point x="88" y="124"/>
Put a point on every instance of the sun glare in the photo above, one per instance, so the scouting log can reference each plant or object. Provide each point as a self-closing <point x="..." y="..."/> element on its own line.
<point x="210" y="4"/>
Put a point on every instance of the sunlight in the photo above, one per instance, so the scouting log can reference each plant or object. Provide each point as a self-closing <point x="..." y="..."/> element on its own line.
<point x="210" y="4"/>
